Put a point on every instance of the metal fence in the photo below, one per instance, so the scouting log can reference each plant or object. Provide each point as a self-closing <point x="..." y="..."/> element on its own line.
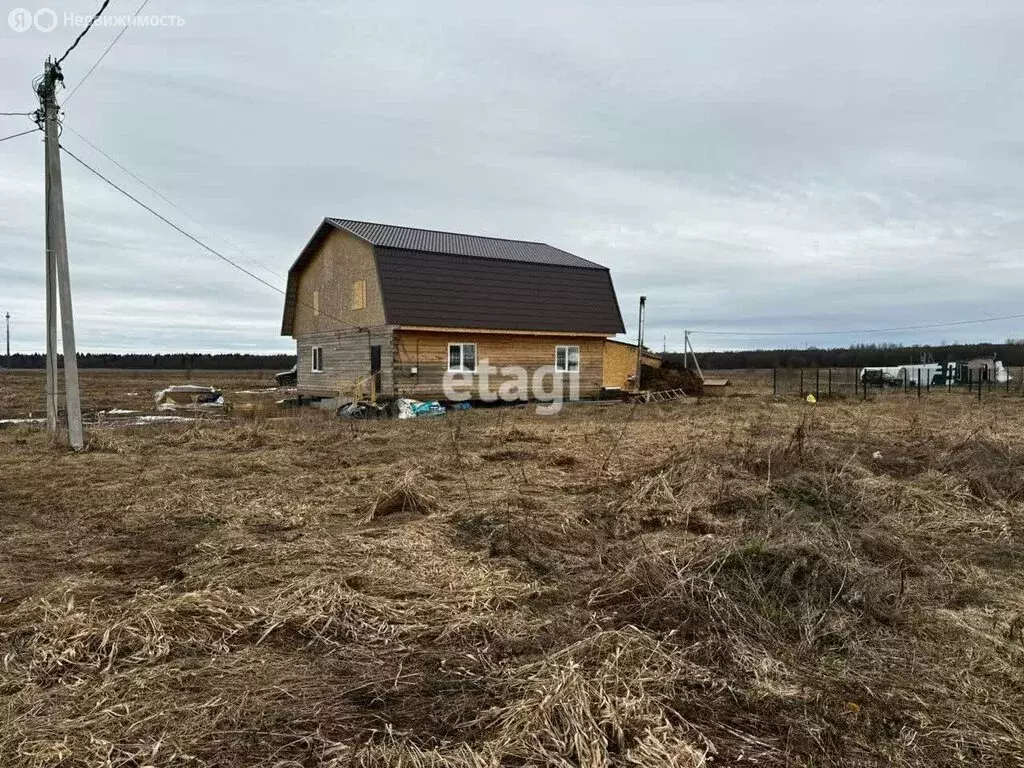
<point x="848" y="383"/>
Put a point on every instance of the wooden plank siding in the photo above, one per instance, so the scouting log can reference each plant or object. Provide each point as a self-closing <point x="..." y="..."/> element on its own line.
<point x="346" y="359"/>
<point x="620" y="364"/>
<point x="427" y="353"/>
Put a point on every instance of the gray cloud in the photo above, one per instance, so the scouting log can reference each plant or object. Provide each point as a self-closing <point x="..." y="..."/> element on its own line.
<point x="767" y="166"/>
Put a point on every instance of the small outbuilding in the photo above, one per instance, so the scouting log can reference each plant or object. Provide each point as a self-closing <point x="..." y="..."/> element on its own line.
<point x="620" y="364"/>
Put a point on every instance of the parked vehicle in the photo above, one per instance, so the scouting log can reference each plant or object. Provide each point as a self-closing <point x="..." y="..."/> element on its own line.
<point x="288" y="378"/>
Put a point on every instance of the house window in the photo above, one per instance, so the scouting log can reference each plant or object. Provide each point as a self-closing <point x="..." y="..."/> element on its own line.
<point x="358" y="295"/>
<point x="567" y="359"/>
<point x="316" y="303"/>
<point x="318" y="360"/>
<point x="462" y="357"/>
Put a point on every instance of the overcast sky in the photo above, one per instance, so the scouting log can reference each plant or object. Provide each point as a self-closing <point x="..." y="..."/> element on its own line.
<point x="749" y="165"/>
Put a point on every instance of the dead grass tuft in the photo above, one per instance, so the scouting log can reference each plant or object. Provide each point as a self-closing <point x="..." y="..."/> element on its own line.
<point x="405" y="497"/>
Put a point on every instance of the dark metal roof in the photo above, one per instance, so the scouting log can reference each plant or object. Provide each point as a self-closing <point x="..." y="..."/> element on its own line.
<point x="455" y="244"/>
<point x="431" y="289"/>
<point x="442" y="279"/>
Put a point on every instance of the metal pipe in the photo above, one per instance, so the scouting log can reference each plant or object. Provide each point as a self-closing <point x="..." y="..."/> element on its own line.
<point x="640" y="341"/>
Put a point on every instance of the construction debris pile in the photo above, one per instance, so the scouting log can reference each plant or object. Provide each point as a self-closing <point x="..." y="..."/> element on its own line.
<point x="402" y="408"/>
<point x="190" y="397"/>
<point x="669" y="377"/>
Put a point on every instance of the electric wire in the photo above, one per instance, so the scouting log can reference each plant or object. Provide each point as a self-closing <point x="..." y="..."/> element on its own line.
<point x="176" y="207"/>
<point x="16" y="114"/>
<point x="16" y="135"/>
<point x="199" y="242"/>
<point x="104" y="54"/>
<point x="84" y="32"/>
<point x="273" y="287"/>
<point x="259" y="279"/>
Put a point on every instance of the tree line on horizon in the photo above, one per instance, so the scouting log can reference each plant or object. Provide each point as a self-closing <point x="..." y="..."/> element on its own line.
<point x="221" y="361"/>
<point x="1010" y="353"/>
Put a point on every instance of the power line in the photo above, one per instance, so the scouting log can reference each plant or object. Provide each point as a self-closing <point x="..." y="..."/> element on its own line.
<point x="104" y="54"/>
<point x="84" y="31"/>
<point x="197" y="241"/>
<point x="171" y="203"/>
<point x="863" y="330"/>
<point x="16" y="135"/>
<point x="16" y="114"/>
<point x="168" y="222"/>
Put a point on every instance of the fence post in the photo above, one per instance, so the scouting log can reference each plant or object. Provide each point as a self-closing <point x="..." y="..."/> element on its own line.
<point x="817" y="383"/>
<point x="905" y="381"/>
<point x="775" y="381"/>
<point x="801" y="382"/>
<point x="830" y="382"/>
<point x="918" y="383"/>
<point x="970" y="380"/>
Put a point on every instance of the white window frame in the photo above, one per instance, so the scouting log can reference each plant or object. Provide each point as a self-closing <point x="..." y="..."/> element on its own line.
<point x="568" y="358"/>
<point x="461" y="368"/>
<point x="316" y="352"/>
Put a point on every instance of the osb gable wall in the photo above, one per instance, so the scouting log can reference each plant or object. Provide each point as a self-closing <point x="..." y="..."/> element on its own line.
<point x="427" y="352"/>
<point x="346" y="360"/>
<point x="620" y="364"/>
<point x="341" y="260"/>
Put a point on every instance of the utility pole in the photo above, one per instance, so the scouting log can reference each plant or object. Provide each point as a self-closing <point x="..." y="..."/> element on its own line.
<point x="58" y="274"/>
<point x="640" y="342"/>
<point x="688" y="347"/>
<point x="7" y="322"/>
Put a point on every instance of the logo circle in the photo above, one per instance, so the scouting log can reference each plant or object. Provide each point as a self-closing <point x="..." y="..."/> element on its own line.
<point x="20" y="19"/>
<point x="45" y="20"/>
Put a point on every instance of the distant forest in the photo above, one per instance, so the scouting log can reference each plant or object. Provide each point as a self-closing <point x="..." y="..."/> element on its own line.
<point x="177" y="362"/>
<point x="858" y="356"/>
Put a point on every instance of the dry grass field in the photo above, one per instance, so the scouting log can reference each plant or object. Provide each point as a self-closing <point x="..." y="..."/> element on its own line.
<point x="21" y="392"/>
<point x="735" y="581"/>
